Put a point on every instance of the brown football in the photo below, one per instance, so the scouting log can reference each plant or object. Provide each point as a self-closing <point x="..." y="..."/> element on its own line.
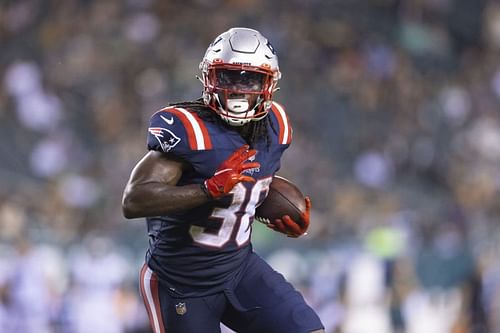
<point x="284" y="198"/>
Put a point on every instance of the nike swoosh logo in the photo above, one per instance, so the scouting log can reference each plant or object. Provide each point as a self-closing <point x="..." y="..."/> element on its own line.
<point x="168" y="121"/>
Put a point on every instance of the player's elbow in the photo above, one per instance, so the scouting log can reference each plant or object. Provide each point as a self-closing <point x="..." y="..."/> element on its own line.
<point x="128" y="213"/>
<point x="130" y="206"/>
<point x="128" y="209"/>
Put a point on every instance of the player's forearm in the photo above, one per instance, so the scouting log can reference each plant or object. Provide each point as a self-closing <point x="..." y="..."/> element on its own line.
<point x="156" y="199"/>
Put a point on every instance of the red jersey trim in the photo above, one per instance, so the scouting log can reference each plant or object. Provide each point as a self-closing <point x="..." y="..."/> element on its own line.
<point x="285" y="128"/>
<point x="197" y="132"/>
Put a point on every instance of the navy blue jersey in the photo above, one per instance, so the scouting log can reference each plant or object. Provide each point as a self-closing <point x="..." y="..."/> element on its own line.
<point x="199" y="251"/>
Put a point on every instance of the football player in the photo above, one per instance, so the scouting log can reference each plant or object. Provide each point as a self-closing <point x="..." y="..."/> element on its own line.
<point x="209" y="165"/>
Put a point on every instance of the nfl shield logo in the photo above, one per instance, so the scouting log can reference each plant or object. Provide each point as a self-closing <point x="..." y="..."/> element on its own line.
<point x="180" y="308"/>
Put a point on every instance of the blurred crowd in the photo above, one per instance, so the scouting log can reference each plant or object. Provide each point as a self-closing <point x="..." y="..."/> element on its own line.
<point x="396" y="114"/>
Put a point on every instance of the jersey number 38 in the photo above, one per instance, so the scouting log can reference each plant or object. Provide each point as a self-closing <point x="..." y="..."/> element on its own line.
<point x="238" y="215"/>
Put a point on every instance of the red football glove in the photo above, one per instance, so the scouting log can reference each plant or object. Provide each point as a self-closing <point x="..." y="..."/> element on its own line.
<point x="289" y="227"/>
<point x="230" y="172"/>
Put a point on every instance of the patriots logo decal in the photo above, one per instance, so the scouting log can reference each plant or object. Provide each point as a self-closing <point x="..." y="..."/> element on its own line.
<point x="165" y="137"/>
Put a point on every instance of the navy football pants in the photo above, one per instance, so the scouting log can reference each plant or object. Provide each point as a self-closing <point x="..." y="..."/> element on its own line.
<point x="262" y="302"/>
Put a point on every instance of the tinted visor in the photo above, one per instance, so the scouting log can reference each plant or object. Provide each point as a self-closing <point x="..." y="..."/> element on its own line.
<point x="240" y="80"/>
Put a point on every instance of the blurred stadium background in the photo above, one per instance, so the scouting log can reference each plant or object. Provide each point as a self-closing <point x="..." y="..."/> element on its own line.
<point x="397" y="139"/>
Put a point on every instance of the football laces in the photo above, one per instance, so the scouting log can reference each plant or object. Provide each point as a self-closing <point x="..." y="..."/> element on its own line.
<point x="262" y="220"/>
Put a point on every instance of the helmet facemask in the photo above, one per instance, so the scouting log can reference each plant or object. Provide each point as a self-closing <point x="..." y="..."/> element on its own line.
<point x="239" y="94"/>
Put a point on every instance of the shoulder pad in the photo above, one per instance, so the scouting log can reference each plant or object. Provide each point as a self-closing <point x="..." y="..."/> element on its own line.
<point x="280" y="119"/>
<point x="174" y="129"/>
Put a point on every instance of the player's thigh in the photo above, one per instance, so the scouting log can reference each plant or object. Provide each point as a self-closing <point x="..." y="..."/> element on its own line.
<point x="178" y="315"/>
<point x="276" y="305"/>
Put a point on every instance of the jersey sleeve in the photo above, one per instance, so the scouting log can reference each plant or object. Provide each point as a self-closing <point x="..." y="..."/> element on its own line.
<point x="177" y="131"/>
<point x="281" y="124"/>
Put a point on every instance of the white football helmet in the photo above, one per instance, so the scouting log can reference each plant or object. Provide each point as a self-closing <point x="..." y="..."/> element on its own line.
<point x="239" y="74"/>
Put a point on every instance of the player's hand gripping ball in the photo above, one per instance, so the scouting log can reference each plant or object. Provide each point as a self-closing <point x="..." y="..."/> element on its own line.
<point x="230" y="172"/>
<point x="285" y="208"/>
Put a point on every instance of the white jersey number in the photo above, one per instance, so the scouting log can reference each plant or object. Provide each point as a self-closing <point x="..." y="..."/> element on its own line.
<point x="237" y="216"/>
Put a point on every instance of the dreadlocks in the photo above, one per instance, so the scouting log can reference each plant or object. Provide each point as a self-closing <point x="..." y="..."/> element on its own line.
<point x="252" y="134"/>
